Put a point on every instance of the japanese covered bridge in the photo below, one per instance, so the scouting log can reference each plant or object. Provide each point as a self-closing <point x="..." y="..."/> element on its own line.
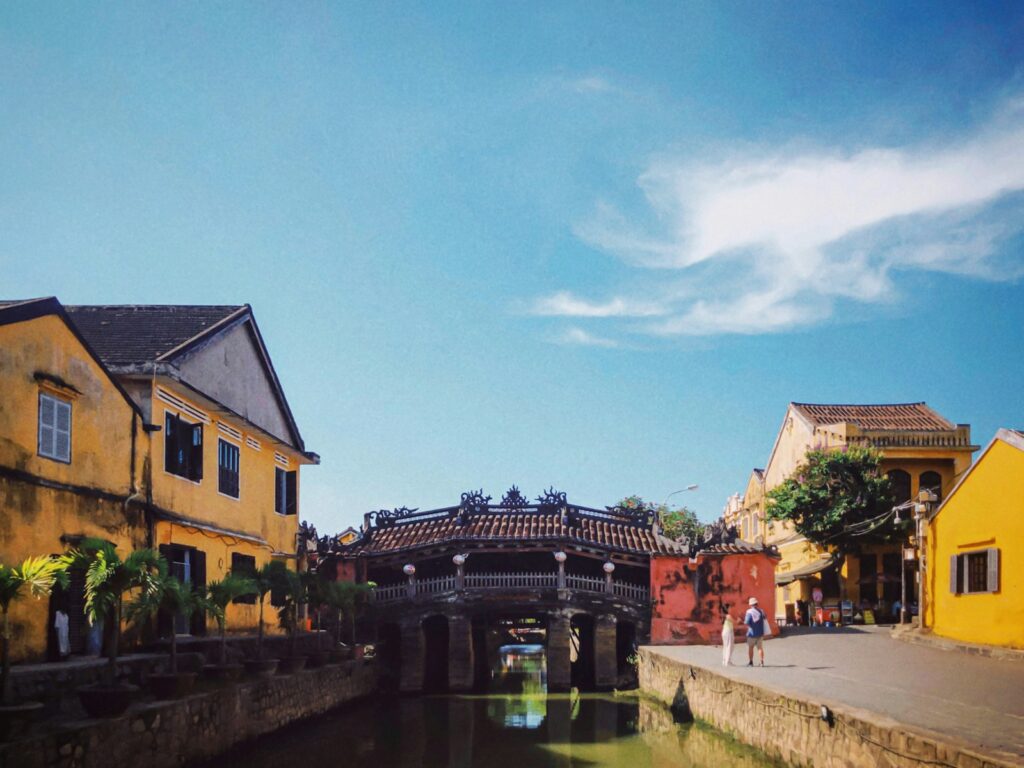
<point x="455" y="584"/>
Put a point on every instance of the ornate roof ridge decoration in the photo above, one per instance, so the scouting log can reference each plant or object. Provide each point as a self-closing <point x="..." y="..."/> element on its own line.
<point x="473" y="503"/>
<point x="388" y="517"/>
<point x="644" y="514"/>
<point x="514" y="500"/>
<point x="551" y="500"/>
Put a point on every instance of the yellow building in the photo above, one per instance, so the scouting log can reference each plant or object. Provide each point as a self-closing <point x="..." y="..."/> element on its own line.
<point x="213" y="482"/>
<point x="71" y="450"/>
<point x="975" y="542"/>
<point x="920" y="450"/>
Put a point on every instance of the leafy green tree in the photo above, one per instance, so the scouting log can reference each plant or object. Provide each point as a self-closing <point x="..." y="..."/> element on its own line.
<point x="36" y="576"/>
<point x="163" y="593"/>
<point x="838" y="499"/>
<point x="266" y="579"/>
<point x="291" y="590"/>
<point x="218" y="595"/>
<point x="107" y="578"/>
<point x="676" y="522"/>
<point x="345" y="598"/>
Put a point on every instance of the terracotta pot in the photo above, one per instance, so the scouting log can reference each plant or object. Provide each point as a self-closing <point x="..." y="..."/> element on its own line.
<point x="224" y="672"/>
<point x="261" y="667"/>
<point x="171" y="685"/>
<point x="16" y="718"/>
<point x="106" y="700"/>
<point x="291" y="664"/>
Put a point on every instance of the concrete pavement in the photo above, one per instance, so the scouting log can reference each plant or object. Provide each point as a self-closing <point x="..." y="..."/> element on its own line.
<point x="977" y="700"/>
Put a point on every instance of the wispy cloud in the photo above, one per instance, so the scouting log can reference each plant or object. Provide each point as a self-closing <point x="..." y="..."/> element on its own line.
<point x="565" y="304"/>
<point x="764" y="241"/>
<point x="591" y="84"/>
<point x="579" y="337"/>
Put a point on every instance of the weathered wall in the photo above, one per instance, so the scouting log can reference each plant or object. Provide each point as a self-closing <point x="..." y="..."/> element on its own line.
<point x="42" y="499"/>
<point x="791" y="729"/>
<point x="690" y="600"/>
<point x="986" y="511"/>
<point x="172" y="733"/>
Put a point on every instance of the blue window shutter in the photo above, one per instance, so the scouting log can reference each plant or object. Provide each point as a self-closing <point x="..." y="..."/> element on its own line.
<point x="954" y="574"/>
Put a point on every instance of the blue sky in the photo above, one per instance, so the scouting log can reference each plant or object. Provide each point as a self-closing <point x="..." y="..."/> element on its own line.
<point x="590" y="245"/>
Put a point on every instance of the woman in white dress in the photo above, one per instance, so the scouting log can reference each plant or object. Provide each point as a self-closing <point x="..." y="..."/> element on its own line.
<point x="728" y="635"/>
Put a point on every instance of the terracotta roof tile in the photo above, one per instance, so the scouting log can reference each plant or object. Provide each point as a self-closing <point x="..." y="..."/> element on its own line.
<point x="516" y="527"/>
<point x="915" y="417"/>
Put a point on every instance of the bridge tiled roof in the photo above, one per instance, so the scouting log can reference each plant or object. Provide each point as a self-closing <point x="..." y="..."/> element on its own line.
<point x="516" y="527"/>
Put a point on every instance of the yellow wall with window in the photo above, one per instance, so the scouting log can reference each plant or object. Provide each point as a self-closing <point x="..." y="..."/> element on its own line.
<point x="985" y="512"/>
<point x="45" y="503"/>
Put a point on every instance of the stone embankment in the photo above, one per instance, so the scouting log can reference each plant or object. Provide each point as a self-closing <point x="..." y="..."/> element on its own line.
<point x="201" y="726"/>
<point x="795" y="729"/>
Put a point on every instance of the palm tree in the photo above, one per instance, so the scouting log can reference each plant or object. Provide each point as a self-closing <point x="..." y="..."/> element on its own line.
<point x="291" y="589"/>
<point x="163" y="593"/>
<point x="218" y="595"/>
<point x="264" y="580"/>
<point x="37" y="575"/>
<point x="107" y="578"/>
<point x="344" y="597"/>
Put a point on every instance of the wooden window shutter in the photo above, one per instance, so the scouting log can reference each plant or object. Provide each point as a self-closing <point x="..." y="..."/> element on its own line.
<point x="992" y="583"/>
<point x="279" y="490"/>
<point x="171" y="442"/>
<point x="292" y="492"/>
<point x="196" y="453"/>
<point x="954" y="574"/>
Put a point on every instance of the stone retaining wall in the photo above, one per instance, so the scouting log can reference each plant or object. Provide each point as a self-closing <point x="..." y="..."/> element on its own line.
<point x="201" y="726"/>
<point x="792" y="730"/>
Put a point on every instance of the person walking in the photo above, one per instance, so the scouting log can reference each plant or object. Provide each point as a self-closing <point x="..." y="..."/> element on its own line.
<point x="728" y="635"/>
<point x="755" y="620"/>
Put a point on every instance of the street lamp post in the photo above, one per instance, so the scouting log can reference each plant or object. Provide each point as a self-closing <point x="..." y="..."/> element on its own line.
<point x="692" y="487"/>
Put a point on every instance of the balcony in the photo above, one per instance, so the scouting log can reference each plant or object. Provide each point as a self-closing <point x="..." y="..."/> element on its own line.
<point x="497" y="582"/>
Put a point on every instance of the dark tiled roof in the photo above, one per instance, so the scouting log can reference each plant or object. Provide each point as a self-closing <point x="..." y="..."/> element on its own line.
<point x="737" y="548"/>
<point x="518" y="527"/>
<point x="140" y="333"/>
<point x="915" y="417"/>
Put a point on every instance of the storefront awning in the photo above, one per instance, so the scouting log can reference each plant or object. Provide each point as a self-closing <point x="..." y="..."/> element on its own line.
<point x="787" y="577"/>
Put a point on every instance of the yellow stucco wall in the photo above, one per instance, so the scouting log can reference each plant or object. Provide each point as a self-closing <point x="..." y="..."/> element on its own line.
<point x="253" y="511"/>
<point x="987" y="510"/>
<point x="33" y="518"/>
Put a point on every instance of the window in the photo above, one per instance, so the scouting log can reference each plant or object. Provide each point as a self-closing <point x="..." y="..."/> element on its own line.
<point x="900" y="483"/>
<point x="931" y="481"/>
<point x="227" y="465"/>
<point x="974" y="572"/>
<point x="54" y="428"/>
<point x="243" y="565"/>
<point x="285" y="491"/>
<point x="183" y="447"/>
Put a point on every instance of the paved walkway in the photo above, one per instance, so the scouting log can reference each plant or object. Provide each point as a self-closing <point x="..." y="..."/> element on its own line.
<point x="975" y="699"/>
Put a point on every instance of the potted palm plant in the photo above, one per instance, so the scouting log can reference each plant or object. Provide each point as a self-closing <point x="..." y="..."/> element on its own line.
<point x="36" y="577"/>
<point x="314" y="591"/>
<point x="343" y="597"/>
<point x="264" y="580"/>
<point x="291" y="590"/>
<point x="219" y="594"/>
<point x="162" y="593"/>
<point x="107" y="579"/>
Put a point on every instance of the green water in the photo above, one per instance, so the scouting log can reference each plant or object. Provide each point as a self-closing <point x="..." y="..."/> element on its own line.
<point x="516" y="725"/>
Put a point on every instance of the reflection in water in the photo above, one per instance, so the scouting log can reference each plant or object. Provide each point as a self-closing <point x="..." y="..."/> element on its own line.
<point x="516" y="725"/>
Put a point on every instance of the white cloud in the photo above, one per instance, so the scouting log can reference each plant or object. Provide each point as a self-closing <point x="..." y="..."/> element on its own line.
<point x="591" y="84"/>
<point x="578" y="336"/>
<point x="565" y="304"/>
<point x="773" y="240"/>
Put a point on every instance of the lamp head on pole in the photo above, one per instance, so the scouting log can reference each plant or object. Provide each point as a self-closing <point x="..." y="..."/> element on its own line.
<point x="409" y="569"/>
<point x="560" y="556"/>
<point x="459" y="559"/>
<point x="609" y="567"/>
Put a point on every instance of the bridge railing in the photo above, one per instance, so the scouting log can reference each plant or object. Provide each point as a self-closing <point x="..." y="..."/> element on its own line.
<point x="497" y="581"/>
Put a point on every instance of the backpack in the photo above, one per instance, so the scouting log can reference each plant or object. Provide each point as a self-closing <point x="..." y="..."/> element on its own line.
<point x="766" y="627"/>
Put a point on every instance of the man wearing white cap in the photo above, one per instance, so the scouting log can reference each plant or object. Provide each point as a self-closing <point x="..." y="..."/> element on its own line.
<point x="755" y="621"/>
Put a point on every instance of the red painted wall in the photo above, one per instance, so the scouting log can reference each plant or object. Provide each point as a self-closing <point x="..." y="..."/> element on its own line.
<point x="690" y="598"/>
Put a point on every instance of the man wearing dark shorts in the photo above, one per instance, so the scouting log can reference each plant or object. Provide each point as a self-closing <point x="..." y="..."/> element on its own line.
<point x="754" y="620"/>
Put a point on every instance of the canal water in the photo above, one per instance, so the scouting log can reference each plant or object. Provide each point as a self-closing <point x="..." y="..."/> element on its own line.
<point x="517" y="724"/>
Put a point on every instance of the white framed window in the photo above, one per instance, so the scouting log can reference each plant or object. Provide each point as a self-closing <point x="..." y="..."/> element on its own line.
<point x="54" y="428"/>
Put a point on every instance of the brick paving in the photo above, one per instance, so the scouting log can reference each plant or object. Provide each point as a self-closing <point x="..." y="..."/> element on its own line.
<point x="977" y="700"/>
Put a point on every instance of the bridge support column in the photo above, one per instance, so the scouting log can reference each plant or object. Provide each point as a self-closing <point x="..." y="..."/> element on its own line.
<point x="460" y="653"/>
<point x="413" y="653"/>
<point x="606" y="667"/>
<point x="558" y="659"/>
